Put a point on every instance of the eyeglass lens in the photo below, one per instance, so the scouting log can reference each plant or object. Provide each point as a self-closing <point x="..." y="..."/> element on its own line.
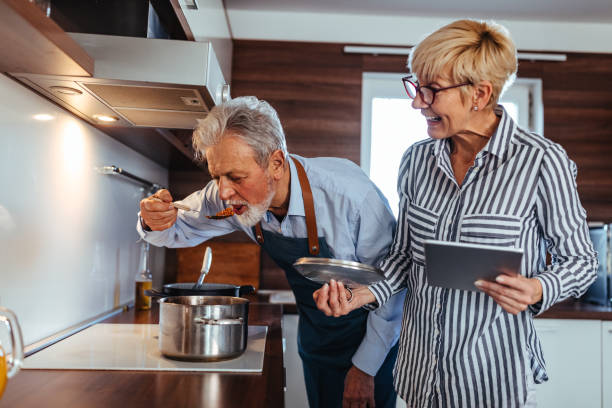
<point x="427" y="95"/>
<point x="410" y="89"/>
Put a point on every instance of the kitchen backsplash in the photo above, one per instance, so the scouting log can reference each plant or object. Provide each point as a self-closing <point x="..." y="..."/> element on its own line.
<point x="68" y="244"/>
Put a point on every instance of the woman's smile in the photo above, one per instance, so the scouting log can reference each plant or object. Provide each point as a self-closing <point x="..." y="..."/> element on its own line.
<point x="432" y="119"/>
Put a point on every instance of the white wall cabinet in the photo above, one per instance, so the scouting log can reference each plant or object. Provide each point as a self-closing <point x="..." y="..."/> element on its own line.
<point x="573" y="354"/>
<point x="578" y="356"/>
<point x="606" y="342"/>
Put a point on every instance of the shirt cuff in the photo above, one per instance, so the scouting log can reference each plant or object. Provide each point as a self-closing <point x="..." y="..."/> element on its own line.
<point x="382" y="291"/>
<point x="370" y="356"/>
<point x="551" y="290"/>
<point x="142" y="228"/>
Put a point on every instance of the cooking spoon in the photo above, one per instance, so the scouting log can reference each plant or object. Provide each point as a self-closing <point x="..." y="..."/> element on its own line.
<point x="212" y="217"/>
<point x="176" y="205"/>
<point x="205" y="268"/>
<point x="183" y="207"/>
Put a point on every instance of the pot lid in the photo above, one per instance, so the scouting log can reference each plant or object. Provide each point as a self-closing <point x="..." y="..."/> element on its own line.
<point x="350" y="273"/>
<point x="204" y="287"/>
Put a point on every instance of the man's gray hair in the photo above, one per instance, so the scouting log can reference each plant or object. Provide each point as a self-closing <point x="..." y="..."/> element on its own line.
<point x="250" y="119"/>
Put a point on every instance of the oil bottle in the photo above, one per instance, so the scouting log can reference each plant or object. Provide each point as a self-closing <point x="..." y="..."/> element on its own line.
<point x="144" y="280"/>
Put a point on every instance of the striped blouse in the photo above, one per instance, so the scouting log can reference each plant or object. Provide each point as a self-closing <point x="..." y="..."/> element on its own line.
<point x="459" y="348"/>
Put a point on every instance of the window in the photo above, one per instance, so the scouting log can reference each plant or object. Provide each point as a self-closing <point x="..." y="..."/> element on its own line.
<point x="389" y="125"/>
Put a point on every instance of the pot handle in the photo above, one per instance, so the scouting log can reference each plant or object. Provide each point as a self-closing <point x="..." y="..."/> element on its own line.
<point x="155" y="293"/>
<point x="246" y="289"/>
<point x="204" y="320"/>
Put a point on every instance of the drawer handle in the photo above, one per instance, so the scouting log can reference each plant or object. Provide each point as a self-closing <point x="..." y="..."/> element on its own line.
<point x="547" y="329"/>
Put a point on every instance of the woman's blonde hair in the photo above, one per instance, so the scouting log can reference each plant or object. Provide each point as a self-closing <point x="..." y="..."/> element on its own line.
<point x="469" y="51"/>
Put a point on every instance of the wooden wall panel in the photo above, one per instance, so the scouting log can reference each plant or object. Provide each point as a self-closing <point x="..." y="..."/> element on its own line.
<point x="236" y="263"/>
<point x="315" y="88"/>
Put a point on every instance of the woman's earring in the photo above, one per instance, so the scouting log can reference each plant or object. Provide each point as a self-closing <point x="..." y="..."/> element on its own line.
<point x="475" y="108"/>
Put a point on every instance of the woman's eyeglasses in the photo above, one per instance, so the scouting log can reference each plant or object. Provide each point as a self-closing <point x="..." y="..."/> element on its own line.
<point x="426" y="92"/>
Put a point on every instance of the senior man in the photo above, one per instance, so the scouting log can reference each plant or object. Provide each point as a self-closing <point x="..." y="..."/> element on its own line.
<point x="294" y="207"/>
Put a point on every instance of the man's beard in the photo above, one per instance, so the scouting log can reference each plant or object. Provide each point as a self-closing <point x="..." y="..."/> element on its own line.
<point x="254" y="212"/>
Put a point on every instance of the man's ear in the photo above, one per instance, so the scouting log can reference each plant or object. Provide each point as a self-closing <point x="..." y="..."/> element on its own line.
<point x="276" y="164"/>
<point x="482" y="94"/>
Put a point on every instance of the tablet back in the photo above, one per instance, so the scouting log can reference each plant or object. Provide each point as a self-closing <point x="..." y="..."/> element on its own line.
<point x="456" y="265"/>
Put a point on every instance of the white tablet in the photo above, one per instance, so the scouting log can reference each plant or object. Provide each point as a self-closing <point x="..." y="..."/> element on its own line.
<point x="456" y="265"/>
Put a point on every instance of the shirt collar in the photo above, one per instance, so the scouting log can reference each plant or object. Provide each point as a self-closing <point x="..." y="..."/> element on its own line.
<point x="296" y="202"/>
<point x="439" y="146"/>
<point x="497" y="145"/>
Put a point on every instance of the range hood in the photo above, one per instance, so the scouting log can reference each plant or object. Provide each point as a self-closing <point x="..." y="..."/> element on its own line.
<point x="138" y="82"/>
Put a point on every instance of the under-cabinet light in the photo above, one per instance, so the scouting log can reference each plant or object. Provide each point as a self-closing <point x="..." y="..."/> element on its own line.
<point x="66" y="90"/>
<point x="106" y="118"/>
<point x="43" y="117"/>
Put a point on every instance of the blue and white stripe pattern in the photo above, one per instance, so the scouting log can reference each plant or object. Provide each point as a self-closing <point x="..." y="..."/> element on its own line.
<point x="459" y="348"/>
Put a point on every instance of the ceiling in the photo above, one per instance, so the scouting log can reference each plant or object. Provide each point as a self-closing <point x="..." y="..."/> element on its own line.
<point x="535" y="25"/>
<point x="597" y="11"/>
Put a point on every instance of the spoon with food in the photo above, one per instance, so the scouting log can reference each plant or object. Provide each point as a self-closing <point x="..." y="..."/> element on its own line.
<point x="228" y="212"/>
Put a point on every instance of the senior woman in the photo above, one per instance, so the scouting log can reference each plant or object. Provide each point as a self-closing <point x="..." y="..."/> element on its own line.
<point x="481" y="179"/>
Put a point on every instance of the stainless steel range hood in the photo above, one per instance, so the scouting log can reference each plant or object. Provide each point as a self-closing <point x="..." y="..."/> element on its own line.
<point x="138" y="82"/>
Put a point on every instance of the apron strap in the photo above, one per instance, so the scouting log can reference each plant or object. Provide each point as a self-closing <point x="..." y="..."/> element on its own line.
<point x="311" y="221"/>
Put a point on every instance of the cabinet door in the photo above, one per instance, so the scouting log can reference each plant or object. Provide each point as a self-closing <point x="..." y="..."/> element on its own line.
<point x="606" y="347"/>
<point x="295" y="392"/>
<point x="572" y="351"/>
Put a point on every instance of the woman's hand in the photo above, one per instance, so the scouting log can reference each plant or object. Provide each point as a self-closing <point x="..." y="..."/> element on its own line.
<point x="334" y="299"/>
<point x="514" y="293"/>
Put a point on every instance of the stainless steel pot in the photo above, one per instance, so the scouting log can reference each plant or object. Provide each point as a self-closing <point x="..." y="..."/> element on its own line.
<point x="203" y="328"/>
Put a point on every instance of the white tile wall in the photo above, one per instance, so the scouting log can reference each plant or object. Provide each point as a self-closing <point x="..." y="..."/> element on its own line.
<point x="68" y="248"/>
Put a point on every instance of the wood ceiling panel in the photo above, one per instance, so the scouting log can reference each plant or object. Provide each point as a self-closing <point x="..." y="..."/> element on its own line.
<point x="33" y="43"/>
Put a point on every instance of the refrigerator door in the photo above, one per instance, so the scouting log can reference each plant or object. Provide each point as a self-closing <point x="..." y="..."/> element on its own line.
<point x="599" y="292"/>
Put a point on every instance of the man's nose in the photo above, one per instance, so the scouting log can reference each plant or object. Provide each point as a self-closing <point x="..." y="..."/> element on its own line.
<point x="225" y="189"/>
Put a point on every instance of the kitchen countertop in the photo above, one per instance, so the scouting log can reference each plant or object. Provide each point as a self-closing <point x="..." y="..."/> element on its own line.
<point x="573" y="309"/>
<point x="83" y="388"/>
<point x="91" y="389"/>
<point x="569" y="309"/>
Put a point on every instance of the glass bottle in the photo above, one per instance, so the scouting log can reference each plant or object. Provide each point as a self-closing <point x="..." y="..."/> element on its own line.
<point x="144" y="280"/>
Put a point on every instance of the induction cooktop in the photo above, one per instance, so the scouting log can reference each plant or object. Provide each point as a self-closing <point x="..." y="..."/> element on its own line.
<point x="107" y="346"/>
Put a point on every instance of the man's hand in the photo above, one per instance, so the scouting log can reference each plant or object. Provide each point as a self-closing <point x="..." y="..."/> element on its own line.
<point x="157" y="211"/>
<point x="334" y="299"/>
<point x="514" y="293"/>
<point x="358" y="389"/>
